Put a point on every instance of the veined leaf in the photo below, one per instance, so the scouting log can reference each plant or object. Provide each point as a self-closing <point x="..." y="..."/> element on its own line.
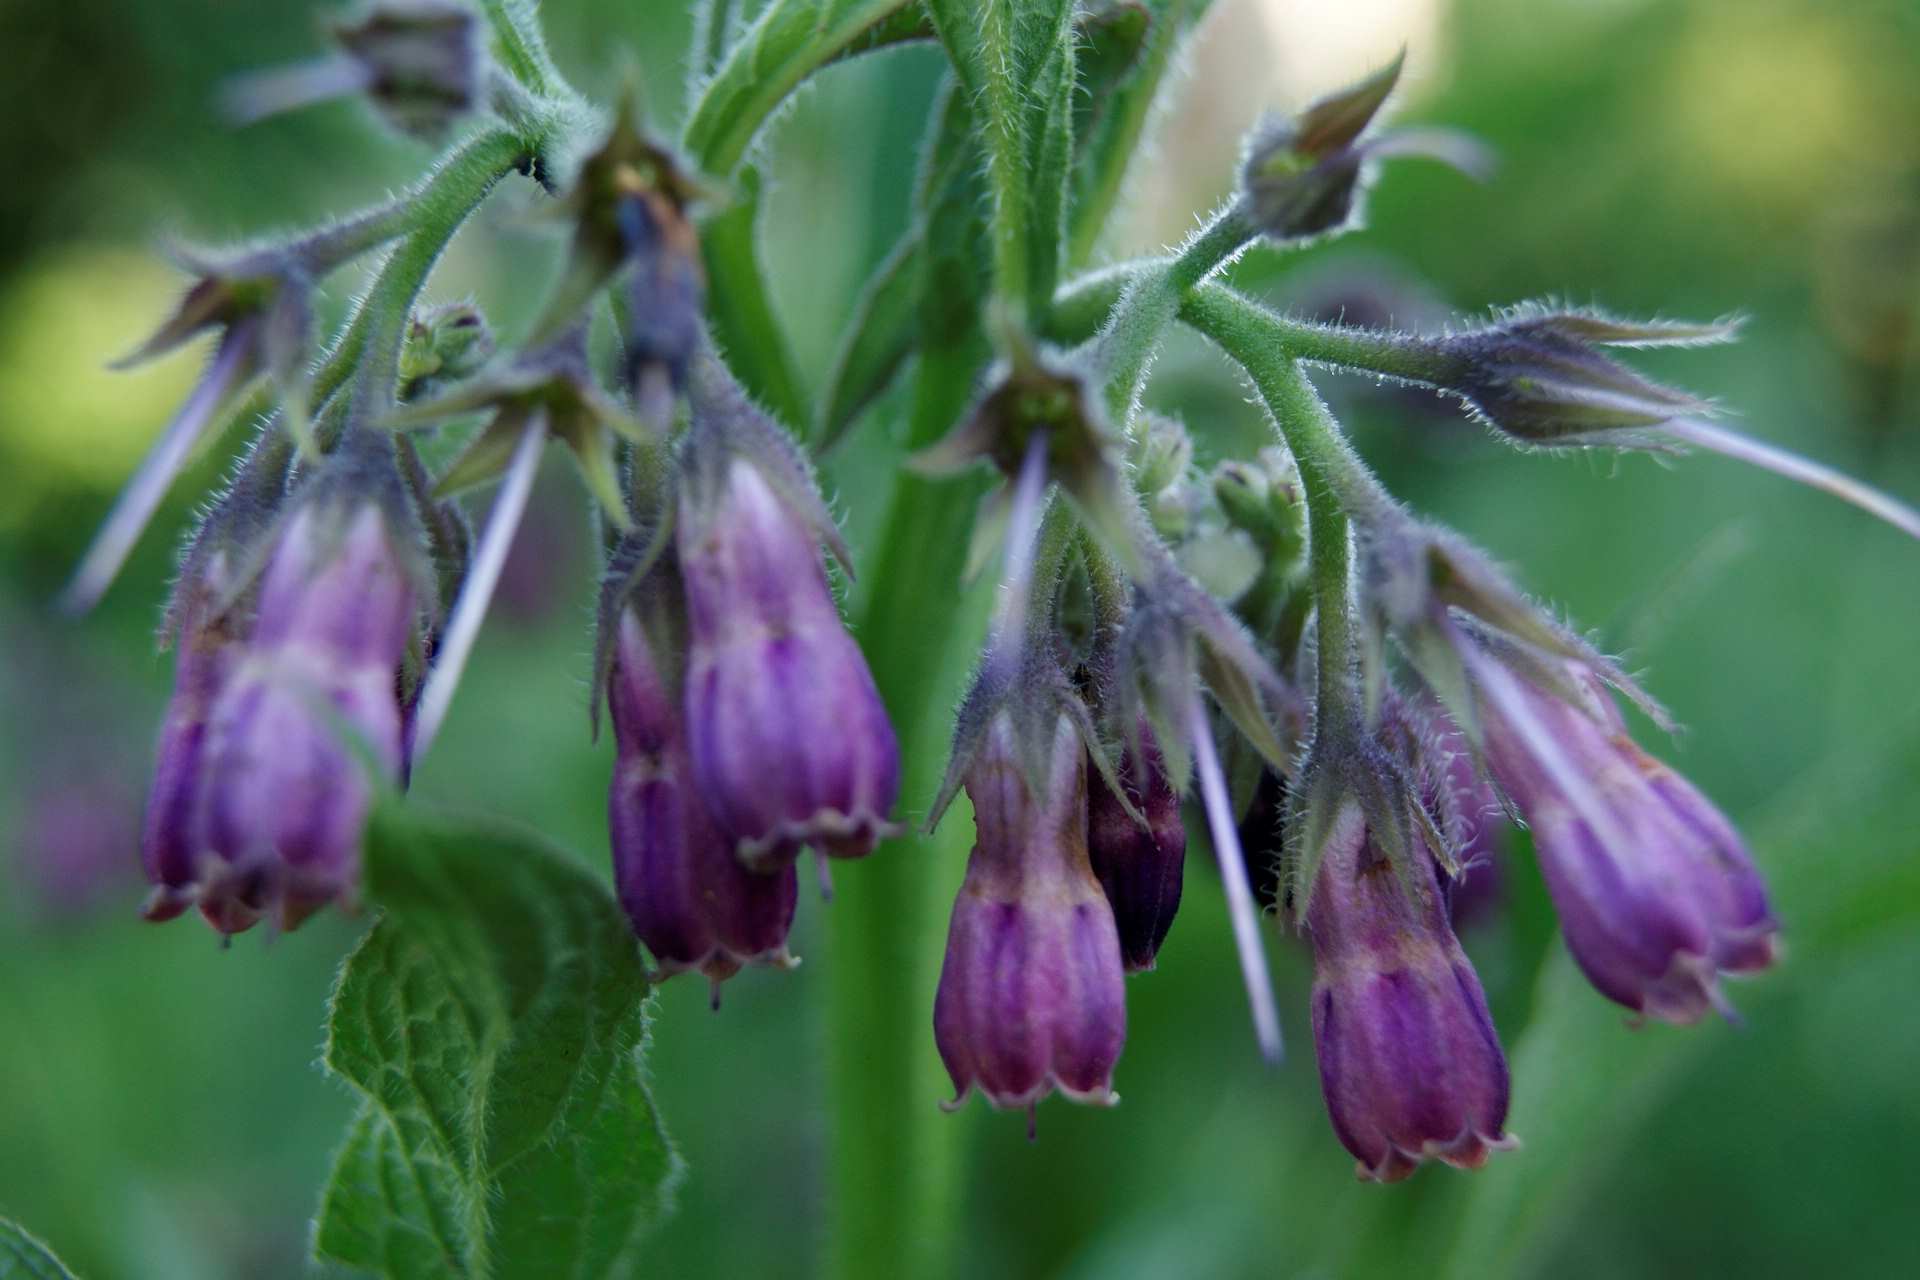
<point x="785" y="43"/>
<point x="493" y="1022"/>
<point x="24" y="1258"/>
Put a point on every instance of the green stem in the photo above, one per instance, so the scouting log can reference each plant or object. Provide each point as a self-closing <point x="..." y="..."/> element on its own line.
<point x="892" y="1193"/>
<point x="521" y="48"/>
<point x="1260" y="342"/>
<point x="1148" y="307"/>
<point x="1005" y="142"/>
<point x="1336" y="481"/>
<point x="456" y="187"/>
<point x="1086" y="301"/>
<point x="338" y="242"/>
<point x="712" y="23"/>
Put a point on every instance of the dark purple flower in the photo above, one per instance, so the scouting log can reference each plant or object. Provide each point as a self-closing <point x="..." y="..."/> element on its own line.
<point x="1540" y="377"/>
<point x="1139" y="865"/>
<point x="689" y="898"/>
<point x="1655" y="890"/>
<point x="275" y="811"/>
<point x="1409" y="1060"/>
<point x="791" y="744"/>
<point x="1032" y="994"/>
<point x="207" y="650"/>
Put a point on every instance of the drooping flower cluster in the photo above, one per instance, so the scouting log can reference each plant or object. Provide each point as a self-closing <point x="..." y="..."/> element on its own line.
<point x="1360" y="691"/>
<point x="285" y="687"/>
<point x="316" y="657"/>
<point x="748" y="725"/>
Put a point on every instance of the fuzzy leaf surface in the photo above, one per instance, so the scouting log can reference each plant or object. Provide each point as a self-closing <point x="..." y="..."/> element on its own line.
<point x="494" y="1024"/>
<point x="789" y="40"/>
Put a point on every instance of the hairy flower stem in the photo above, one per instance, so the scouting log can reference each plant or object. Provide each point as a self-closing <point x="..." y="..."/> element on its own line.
<point x="1336" y="481"/>
<point x="456" y="188"/>
<point x="891" y="1178"/>
<point x="1084" y="303"/>
<point x="522" y="50"/>
<point x="1147" y="307"/>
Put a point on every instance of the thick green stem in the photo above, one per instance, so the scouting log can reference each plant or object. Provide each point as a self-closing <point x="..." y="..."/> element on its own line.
<point x="891" y="1197"/>
<point x="1006" y="144"/>
<point x="1139" y="321"/>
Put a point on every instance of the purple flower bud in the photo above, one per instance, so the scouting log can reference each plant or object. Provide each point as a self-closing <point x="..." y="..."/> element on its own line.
<point x="689" y="898"/>
<point x="1306" y="176"/>
<point x="1409" y="1060"/>
<point x="791" y="744"/>
<point x="207" y="651"/>
<point x="666" y="292"/>
<point x="1139" y="866"/>
<point x="280" y="797"/>
<point x="1032" y="995"/>
<point x="422" y="63"/>
<point x="1541" y="378"/>
<point x="1655" y="890"/>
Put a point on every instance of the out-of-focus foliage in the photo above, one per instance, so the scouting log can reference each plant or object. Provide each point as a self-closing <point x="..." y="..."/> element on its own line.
<point x="162" y="1109"/>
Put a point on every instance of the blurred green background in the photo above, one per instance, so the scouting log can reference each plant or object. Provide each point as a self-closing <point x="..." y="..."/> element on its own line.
<point x="161" y="1110"/>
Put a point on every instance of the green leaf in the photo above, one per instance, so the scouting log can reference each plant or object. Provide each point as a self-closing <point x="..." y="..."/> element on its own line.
<point x="878" y="341"/>
<point x="494" y="1023"/>
<point x="743" y="317"/>
<point x="1015" y="59"/>
<point x="24" y="1258"/>
<point x="1123" y="66"/>
<point x="789" y="40"/>
<point x="927" y="290"/>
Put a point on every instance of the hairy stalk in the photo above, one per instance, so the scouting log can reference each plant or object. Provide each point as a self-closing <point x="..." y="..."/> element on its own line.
<point x="1084" y="302"/>
<point x="456" y="188"/>
<point x="1146" y="308"/>
<point x="521" y="48"/>
<point x="1258" y="341"/>
<point x="1008" y="171"/>
<point x="1336" y="481"/>
<point x="891" y="1159"/>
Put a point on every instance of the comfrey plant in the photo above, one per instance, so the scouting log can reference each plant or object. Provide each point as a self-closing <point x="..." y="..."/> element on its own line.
<point x="1380" y="686"/>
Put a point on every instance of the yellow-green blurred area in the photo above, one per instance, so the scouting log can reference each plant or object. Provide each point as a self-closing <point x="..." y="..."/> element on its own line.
<point x="162" y="1112"/>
